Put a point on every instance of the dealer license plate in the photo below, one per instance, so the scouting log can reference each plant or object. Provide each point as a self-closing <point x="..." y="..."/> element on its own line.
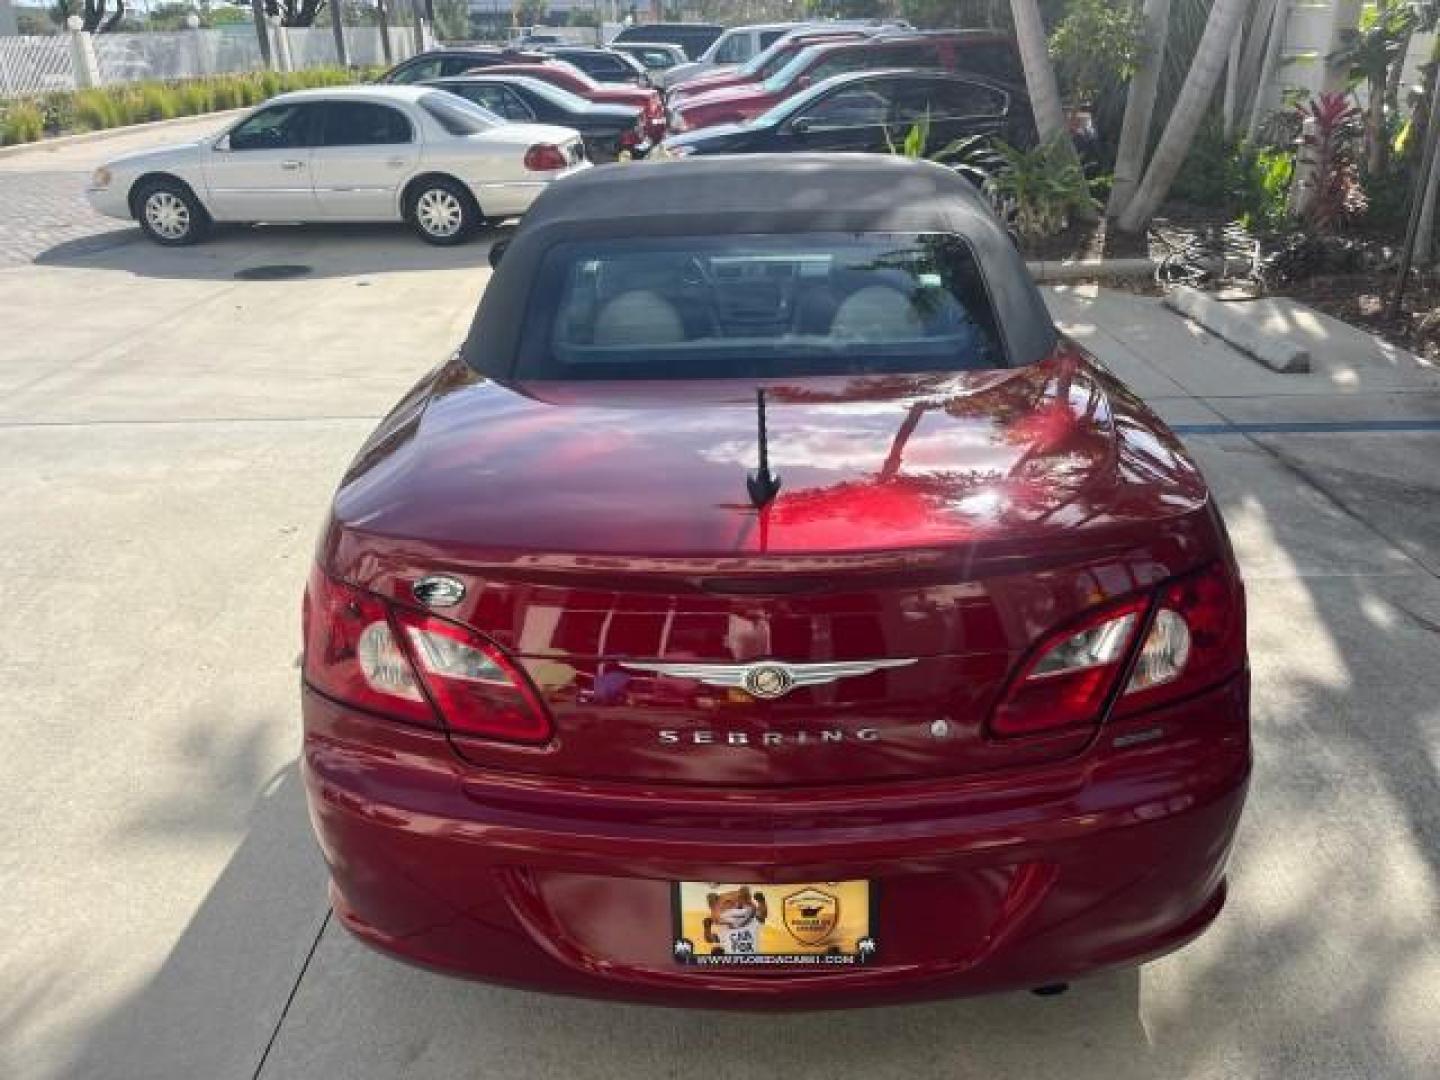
<point x="747" y="924"/>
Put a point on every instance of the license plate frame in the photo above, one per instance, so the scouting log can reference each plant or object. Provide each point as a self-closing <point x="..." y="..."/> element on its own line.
<point x="808" y="924"/>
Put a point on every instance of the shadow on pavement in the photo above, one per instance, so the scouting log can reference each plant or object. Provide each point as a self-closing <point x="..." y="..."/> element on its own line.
<point x="327" y="250"/>
<point x="211" y="1008"/>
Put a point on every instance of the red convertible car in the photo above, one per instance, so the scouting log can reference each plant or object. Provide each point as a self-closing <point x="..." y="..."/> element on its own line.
<point x="768" y="608"/>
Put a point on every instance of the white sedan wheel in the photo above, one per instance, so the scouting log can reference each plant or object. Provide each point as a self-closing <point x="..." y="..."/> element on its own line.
<point x="167" y="214"/>
<point x="439" y="212"/>
<point x="442" y="211"/>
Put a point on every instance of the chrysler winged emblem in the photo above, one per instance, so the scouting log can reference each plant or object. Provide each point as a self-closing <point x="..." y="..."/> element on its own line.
<point x="768" y="678"/>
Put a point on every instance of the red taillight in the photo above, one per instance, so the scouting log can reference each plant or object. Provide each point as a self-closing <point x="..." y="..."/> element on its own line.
<point x="476" y="687"/>
<point x="406" y="664"/>
<point x="1194" y="639"/>
<point x="352" y="653"/>
<point x="1069" y="676"/>
<point x="545" y="157"/>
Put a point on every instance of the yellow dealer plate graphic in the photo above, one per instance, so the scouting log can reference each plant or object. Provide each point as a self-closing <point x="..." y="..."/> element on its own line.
<point x="747" y="924"/>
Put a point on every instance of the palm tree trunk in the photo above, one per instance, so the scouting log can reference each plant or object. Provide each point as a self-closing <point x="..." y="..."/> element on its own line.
<point x="1279" y="16"/>
<point x="1425" y="237"/>
<point x="1039" y="73"/>
<point x="1190" y="108"/>
<point x="1139" y="106"/>
<point x="1397" y="73"/>
<point x="1345" y="19"/>
<point x="1375" y="129"/>
<point x="1232" y="79"/>
<point x="1252" y="58"/>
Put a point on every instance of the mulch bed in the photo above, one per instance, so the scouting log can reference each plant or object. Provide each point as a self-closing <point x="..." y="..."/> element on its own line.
<point x="1101" y="240"/>
<point x="1361" y="300"/>
<point x="1359" y="297"/>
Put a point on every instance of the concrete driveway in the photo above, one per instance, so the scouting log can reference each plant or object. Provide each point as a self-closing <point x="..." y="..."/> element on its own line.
<point x="169" y="435"/>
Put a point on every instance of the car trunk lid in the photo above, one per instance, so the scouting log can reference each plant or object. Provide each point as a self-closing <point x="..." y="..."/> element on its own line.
<point x="927" y="530"/>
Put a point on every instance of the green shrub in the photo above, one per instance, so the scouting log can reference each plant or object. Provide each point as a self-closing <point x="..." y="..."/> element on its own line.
<point x="196" y="97"/>
<point x="1043" y="186"/>
<point x="22" y="122"/>
<point x="1265" y="200"/>
<point x="916" y="141"/>
<point x="1251" y="180"/>
<point x="224" y="95"/>
<point x="155" y="101"/>
<point x="59" y="110"/>
<point x="96" y="110"/>
<point x="1213" y="171"/>
<point x="1096" y="45"/>
<point x="116" y="106"/>
<point x="1389" y="194"/>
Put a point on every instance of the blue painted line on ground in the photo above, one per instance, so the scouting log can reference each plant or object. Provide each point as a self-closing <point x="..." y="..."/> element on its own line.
<point x="1306" y="427"/>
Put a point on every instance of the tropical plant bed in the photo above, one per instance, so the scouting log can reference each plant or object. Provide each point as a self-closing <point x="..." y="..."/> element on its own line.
<point x="1362" y="299"/>
<point x="1176" y="224"/>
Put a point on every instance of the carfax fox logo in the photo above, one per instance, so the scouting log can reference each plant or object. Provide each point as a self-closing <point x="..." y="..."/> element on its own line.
<point x="735" y="920"/>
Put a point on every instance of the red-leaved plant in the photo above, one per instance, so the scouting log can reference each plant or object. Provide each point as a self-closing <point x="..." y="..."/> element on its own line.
<point x="1330" y="149"/>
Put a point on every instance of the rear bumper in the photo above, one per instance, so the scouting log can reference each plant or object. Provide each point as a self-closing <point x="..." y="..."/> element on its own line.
<point x="512" y="198"/>
<point x="985" y="883"/>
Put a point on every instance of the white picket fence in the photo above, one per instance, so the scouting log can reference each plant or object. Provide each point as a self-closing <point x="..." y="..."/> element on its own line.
<point x="35" y="65"/>
<point x="38" y="65"/>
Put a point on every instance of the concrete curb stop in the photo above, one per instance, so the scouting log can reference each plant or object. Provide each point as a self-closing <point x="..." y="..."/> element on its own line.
<point x="1230" y="322"/>
<point x="60" y="141"/>
<point x="1044" y="271"/>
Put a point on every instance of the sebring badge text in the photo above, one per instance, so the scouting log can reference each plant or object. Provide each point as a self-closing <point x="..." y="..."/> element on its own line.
<point x="711" y="737"/>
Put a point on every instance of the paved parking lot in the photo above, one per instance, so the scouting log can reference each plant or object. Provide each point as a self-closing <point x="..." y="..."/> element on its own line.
<point x="168" y="437"/>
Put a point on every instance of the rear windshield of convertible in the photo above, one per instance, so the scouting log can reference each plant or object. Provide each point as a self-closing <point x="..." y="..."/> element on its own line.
<point x="762" y="306"/>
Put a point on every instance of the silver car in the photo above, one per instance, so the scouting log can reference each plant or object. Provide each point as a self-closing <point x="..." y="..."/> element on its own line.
<point x="357" y="153"/>
<point x="730" y="49"/>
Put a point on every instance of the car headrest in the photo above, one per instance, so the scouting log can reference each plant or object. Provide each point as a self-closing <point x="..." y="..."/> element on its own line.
<point x="877" y="313"/>
<point x="638" y="317"/>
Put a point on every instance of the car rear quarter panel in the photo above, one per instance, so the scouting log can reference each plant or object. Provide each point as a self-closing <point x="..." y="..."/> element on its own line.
<point x="492" y="168"/>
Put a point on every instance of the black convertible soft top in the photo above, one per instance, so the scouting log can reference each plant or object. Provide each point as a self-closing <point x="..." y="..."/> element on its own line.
<point x="759" y="193"/>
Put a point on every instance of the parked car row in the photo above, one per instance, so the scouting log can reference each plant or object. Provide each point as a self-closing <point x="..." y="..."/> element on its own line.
<point x="978" y="52"/>
<point x="358" y="153"/>
<point x="460" y="135"/>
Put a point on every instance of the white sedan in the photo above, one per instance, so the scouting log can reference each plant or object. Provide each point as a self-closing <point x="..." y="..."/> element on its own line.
<point x="358" y="153"/>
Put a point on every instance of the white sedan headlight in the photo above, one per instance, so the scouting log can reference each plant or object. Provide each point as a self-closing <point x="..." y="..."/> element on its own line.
<point x="100" y="178"/>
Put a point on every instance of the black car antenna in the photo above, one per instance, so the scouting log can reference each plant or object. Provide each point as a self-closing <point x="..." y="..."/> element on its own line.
<point x="762" y="484"/>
